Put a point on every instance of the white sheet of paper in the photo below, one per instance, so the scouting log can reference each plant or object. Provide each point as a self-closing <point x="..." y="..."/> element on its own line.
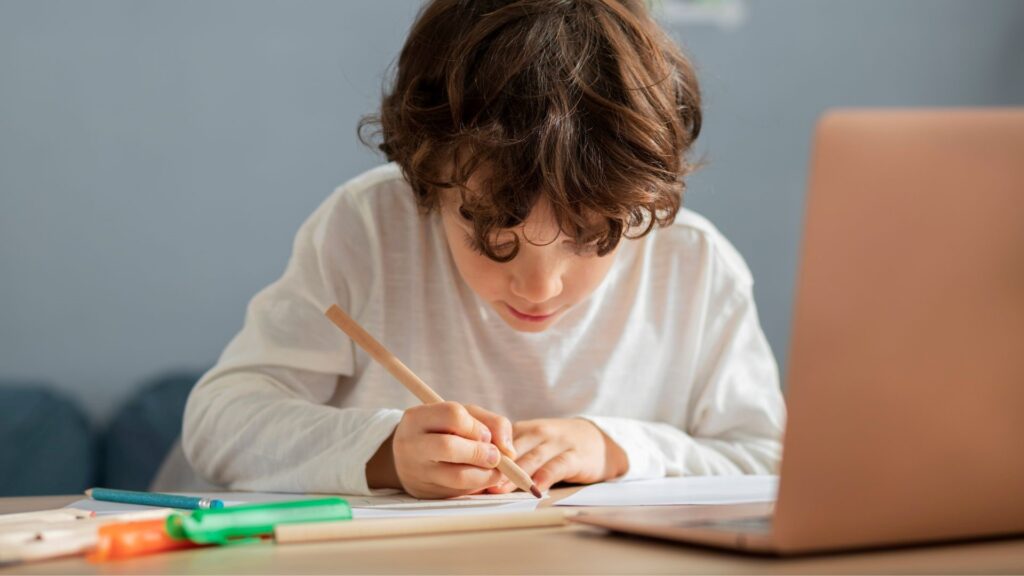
<point x="675" y="491"/>
<point x="406" y="501"/>
<point x="485" y="508"/>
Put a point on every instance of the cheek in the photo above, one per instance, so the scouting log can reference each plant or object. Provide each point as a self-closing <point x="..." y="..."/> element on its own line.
<point x="589" y="274"/>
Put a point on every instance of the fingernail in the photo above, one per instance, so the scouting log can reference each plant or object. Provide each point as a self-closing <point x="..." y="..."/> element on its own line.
<point x="493" y="456"/>
<point x="487" y="435"/>
<point x="507" y="441"/>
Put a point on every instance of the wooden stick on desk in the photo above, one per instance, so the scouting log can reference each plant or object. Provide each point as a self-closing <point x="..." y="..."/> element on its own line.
<point x="390" y="527"/>
<point x="418" y="387"/>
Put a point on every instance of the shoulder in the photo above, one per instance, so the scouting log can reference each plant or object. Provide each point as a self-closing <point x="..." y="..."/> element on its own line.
<point x="384" y="177"/>
<point x="353" y="221"/>
<point x="377" y="200"/>
<point x="695" y="241"/>
<point x="343" y="245"/>
<point x="383" y="187"/>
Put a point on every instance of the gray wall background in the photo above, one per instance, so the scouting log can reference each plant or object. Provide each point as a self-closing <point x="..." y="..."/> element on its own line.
<point x="156" y="158"/>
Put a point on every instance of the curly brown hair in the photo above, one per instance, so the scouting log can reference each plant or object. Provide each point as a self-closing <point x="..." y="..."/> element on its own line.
<point x="586" y="102"/>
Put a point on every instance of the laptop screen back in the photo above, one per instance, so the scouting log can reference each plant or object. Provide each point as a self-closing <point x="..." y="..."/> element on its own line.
<point x="906" y="372"/>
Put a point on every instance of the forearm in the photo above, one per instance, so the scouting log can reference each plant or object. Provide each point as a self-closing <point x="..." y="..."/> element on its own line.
<point x="246" y="430"/>
<point x="657" y="449"/>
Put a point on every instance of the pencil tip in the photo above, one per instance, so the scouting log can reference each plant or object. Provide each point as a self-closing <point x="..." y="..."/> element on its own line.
<point x="535" y="491"/>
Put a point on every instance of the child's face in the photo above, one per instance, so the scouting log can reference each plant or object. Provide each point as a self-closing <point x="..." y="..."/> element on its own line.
<point x="541" y="283"/>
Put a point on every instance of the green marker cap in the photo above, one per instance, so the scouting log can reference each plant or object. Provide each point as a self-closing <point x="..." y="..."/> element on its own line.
<point x="223" y="525"/>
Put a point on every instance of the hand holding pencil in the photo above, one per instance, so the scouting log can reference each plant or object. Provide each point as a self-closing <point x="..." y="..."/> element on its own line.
<point x="443" y="448"/>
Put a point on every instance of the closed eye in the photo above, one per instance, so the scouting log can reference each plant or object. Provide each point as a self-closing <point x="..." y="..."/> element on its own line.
<point x="588" y="248"/>
<point x="475" y="246"/>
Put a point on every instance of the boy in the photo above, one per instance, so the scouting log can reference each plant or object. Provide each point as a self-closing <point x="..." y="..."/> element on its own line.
<point x="526" y="254"/>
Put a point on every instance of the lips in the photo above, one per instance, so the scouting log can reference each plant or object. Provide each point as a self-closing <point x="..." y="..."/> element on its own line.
<point x="529" y="317"/>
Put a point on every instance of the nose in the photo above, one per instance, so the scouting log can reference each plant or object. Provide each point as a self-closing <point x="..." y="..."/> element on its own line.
<point x="536" y="283"/>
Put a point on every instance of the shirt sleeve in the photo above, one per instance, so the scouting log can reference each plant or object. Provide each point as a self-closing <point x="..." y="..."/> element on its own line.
<point x="735" y="421"/>
<point x="259" y="419"/>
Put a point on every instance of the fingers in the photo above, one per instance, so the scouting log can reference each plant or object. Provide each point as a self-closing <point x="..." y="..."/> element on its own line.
<point x="536" y="451"/>
<point x="562" y="467"/>
<point x="466" y="479"/>
<point x="457" y="450"/>
<point x="533" y="460"/>
<point x="525" y="444"/>
<point x="442" y="450"/>
<point x="449" y="418"/>
<point x="527" y="439"/>
<point x="535" y="443"/>
<point x="446" y="449"/>
<point x="547" y="464"/>
<point x="499" y="426"/>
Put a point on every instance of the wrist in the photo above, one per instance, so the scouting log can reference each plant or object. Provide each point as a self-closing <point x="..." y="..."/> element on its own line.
<point x="616" y="462"/>
<point x="380" y="468"/>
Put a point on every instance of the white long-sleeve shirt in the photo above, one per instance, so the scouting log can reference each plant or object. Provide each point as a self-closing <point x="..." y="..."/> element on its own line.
<point x="666" y="357"/>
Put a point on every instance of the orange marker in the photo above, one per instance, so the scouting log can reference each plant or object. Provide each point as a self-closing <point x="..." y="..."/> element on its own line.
<point x="129" y="539"/>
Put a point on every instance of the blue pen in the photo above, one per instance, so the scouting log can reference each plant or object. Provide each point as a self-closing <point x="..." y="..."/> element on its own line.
<point x="154" y="499"/>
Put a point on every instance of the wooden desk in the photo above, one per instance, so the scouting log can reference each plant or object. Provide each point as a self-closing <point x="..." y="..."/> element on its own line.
<point x="568" y="550"/>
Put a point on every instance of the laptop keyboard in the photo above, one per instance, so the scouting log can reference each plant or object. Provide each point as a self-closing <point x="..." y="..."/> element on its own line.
<point x="755" y="525"/>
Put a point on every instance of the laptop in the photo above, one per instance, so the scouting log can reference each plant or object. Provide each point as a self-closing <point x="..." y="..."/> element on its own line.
<point x="906" y="375"/>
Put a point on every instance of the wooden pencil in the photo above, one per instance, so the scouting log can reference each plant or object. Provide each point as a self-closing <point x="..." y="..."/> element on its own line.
<point x="418" y="387"/>
<point x="392" y="527"/>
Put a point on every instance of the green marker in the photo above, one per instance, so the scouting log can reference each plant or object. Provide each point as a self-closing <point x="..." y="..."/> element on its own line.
<point x="240" y="523"/>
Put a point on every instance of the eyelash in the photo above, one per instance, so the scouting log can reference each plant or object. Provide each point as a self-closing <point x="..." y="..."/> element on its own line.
<point x="473" y="245"/>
